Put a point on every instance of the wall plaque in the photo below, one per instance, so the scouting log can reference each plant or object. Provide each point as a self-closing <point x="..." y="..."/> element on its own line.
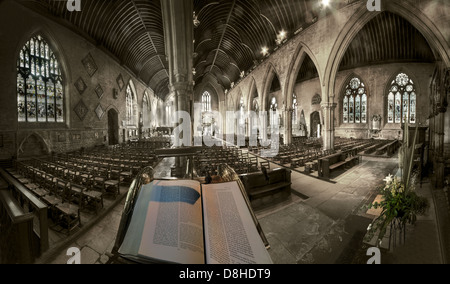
<point x="120" y="82"/>
<point x="316" y="100"/>
<point x="81" y="110"/>
<point x="99" y="91"/>
<point x="99" y="111"/>
<point x="89" y="65"/>
<point x="80" y="85"/>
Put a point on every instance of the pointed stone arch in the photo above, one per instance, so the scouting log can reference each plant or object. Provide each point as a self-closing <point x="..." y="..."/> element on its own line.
<point x="132" y="118"/>
<point x="33" y="145"/>
<point x="146" y="110"/>
<point x="252" y="89"/>
<point x="237" y="100"/>
<point x="407" y="71"/>
<point x="294" y="67"/>
<point x="271" y="72"/>
<point x="412" y="14"/>
<point x="56" y="47"/>
<point x="388" y="85"/>
<point x="341" y="96"/>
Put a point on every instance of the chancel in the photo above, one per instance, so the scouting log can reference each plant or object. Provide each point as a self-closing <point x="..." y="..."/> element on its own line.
<point x="303" y="107"/>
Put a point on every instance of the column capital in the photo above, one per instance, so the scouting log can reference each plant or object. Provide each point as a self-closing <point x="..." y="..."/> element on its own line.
<point x="328" y="105"/>
<point x="181" y="86"/>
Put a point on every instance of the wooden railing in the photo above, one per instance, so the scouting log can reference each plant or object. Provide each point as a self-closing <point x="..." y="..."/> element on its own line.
<point x="16" y="226"/>
<point x="30" y="204"/>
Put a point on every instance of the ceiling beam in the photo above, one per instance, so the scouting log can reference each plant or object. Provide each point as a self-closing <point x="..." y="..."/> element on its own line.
<point x="149" y="36"/>
<point x="223" y="34"/>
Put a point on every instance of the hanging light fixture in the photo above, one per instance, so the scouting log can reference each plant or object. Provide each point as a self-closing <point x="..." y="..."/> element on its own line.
<point x="324" y="4"/>
<point x="264" y="51"/>
<point x="281" y="37"/>
<point x="196" y="21"/>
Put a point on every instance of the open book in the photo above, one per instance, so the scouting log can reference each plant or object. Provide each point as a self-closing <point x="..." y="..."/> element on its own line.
<point x="183" y="221"/>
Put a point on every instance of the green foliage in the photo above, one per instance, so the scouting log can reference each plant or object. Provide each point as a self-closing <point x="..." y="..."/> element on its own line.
<point x="400" y="201"/>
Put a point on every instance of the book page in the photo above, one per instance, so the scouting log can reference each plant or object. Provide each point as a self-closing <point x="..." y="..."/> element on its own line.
<point x="172" y="226"/>
<point x="231" y="236"/>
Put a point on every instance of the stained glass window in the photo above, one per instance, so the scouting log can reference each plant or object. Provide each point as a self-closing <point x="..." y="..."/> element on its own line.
<point x="130" y="106"/>
<point x="206" y="101"/>
<point x="364" y="109"/>
<point x="273" y="109"/>
<point x="402" y="107"/>
<point x="358" y="109"/>
<point x="391" y="107"/>
<point x="241" y="110"/>
<point x="40" y="96"/>
<point x="412" y="108"/>
<point x="398" y="107"/>
<point x="346" y="109"/>
<point x="145" y="111"/>
<point x="294" y="109"/>
<point x="355" y="102"/>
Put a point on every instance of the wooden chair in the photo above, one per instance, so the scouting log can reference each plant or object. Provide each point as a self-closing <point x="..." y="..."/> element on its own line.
<point x="69" y="216"/>
<point x="252" y="163"/>
<point x="98" y="179"/>
<point x="265" y="164"/>
<point x="112" y="183"/>
<point x="74" y="193"/>
<point x="126" y="174"/>
<point x="92" y="199"/>
<point x="53" y="198"/>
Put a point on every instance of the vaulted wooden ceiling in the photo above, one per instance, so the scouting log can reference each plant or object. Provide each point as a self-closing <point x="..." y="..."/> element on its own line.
<point x="229" y="38"/>
<point x="228" y="41"/>
<point x="231" y="34"/>
<point x="385" y="39"/>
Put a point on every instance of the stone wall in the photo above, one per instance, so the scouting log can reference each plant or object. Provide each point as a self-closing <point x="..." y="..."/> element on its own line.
<point x="324" y="42"/>
<point x="376" y="78"/>
<point x="71" y="49"/>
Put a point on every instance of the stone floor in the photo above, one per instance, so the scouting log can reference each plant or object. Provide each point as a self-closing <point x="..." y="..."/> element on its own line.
<point x="322" y="222"/>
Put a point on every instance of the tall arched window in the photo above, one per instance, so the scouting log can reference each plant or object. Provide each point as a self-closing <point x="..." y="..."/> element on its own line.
<point x="206" y="102"/>
<point x="241" y="110"/>
<point x="401" y="100"/>
<point x="255" y="106"/>
<point x="273" y="108"/>
<point x="255" y="119"/>
<point x="40" y="96"/>
<point x="294" y="109"/>
<point x="145" y="111"/>
<point x="129" y="103"/>
<point x="355" y="102"/>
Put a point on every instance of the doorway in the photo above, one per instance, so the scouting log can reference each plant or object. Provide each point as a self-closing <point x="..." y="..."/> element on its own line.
<point x="316" y="127"/>
<point x="113" y="127"/>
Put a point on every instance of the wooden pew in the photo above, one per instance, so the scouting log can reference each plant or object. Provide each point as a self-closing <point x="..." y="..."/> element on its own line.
<point x="332" y="162"/>
<point x="388" y="148"/>
<point x="16" y="229"/>
<point x="28" y="200"/>
<point x="264" y="190"/>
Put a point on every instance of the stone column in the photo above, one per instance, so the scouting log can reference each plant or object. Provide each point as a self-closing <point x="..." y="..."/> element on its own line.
<point x="288" y="126"/>
<point x="179" y="36"/>
<point x="328" y="127"/>
<point x="439" y="167"/>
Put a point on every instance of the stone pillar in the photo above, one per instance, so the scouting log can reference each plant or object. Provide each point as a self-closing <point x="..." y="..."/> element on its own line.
<point x="287" y="126"/>
<point x="179" y="36"/>
<point x="328" y="127"/>
<point x="439" y="167"/>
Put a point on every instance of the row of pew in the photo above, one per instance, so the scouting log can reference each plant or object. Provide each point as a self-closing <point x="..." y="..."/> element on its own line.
<point x="209" y="158"/>
<point x="71" y="183"/>
<point x="309" y="153"/>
